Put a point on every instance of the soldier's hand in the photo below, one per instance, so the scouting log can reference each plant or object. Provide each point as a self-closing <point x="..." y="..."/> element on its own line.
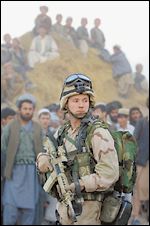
<point x="71" y="187"/>
<point x="43" y="163"/>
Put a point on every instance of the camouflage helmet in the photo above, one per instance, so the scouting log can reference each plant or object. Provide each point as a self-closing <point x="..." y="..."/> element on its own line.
<point x="76" y="84"/>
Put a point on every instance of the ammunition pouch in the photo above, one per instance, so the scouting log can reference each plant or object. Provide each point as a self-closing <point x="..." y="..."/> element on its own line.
<point x="110" y="208"/>
<point x="82" y="164"/>
<point x="77" y="206"/>
<point x="77" y="203"/>
<point x="124" y="213"/>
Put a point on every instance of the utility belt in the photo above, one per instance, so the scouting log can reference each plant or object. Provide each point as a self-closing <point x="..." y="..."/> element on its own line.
<point x="93" y="196"/>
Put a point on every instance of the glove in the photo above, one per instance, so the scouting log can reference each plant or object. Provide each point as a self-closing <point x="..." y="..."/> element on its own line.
<point x="43" y="163"/>
<point x="71" y="187"/>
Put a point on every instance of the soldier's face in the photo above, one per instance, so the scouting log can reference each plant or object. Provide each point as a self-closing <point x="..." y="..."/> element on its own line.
<point x="26" y="111"/>
<point x="79" y="104"/>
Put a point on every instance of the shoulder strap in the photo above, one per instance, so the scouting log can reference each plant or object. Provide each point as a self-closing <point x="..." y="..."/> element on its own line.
<point x="86" y="131"/>
<point x="61" y="133"/>
<point x="52" y="138"/>
<point x="92" y="127"/>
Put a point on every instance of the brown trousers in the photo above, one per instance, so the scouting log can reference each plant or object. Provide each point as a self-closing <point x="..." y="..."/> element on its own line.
<point x="90" y="214"/>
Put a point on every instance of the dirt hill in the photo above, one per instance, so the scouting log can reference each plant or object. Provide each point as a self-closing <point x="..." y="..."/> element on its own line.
<point x="49" y="76"/>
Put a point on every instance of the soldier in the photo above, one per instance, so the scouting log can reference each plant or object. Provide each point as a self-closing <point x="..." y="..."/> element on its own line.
<point x="98" y="163"/>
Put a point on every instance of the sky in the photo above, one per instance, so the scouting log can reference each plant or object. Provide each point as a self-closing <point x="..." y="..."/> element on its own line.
<point x="123" y="22"/>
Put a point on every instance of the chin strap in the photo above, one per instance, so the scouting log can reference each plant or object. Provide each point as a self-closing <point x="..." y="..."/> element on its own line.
<point x="76" y="116"/>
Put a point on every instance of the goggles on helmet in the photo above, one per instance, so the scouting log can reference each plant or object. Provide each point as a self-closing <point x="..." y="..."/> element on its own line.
<point x="80" y="82"/>
<point x="72" y="79"/>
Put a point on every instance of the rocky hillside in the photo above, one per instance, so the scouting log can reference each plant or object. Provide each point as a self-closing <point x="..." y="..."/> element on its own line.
<point x="49" y="76"/>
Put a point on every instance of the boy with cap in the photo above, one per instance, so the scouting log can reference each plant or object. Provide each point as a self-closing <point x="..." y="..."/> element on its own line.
<point x="123" y="123"/>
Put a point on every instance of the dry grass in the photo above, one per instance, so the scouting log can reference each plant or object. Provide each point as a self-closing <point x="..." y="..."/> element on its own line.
<point x="49" y="76"/>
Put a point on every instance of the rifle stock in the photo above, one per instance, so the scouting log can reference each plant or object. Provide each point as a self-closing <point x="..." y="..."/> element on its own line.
<point x="57" y="157"/>
<point x="50" y="182"/>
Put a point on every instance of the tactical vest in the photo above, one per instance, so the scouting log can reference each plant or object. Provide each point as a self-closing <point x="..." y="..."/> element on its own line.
<point x="81" y="162"/>
<point x="84" y="162"/>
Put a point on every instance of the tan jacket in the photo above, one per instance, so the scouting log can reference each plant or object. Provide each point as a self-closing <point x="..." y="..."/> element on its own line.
<point x="107" y="168"/>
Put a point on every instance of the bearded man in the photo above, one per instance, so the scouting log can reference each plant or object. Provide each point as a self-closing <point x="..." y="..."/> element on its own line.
<point x="21" y="143"/>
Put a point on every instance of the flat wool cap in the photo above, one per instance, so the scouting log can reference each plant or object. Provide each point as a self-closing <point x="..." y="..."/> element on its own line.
<point x="24" y="97"/>
<point x="123" y="111"/>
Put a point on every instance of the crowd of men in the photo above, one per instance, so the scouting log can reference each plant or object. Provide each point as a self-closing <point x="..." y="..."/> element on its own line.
<point x="15" y="60"/>
<point x="35" y="206"/>
<point x="38" y="206"/>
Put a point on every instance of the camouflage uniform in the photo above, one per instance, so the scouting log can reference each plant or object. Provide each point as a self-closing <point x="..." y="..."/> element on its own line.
<point x="104" y="175"/>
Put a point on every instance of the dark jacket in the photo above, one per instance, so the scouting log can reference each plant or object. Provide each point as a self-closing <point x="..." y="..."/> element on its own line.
<point x="141" y="134"/>
<point x="13" y="143"/>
